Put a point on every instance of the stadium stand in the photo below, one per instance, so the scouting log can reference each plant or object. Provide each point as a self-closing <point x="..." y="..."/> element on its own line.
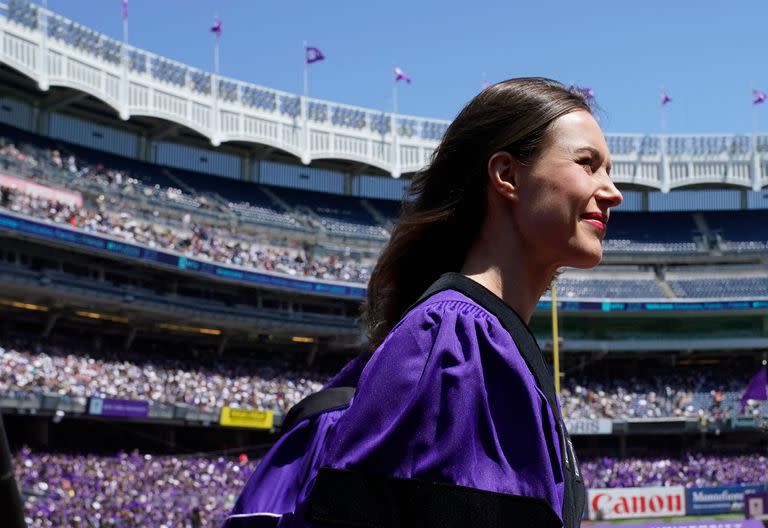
<point x="208" y="384"/>
<point x="718" y="282"/>
<point x="720" y="287"/>
<point x="129" y="489"/>
<point x="340" y="216"/>
<point x="247" y="200"/>
<point x="66" y="489"/>
<point x="622" y="284"/>
<point x="389" y="210"/>
<point x="629" y="232"/>
<point x="740" y="233"/>
<point x="693" y="470"/>
<point x="175" y="229"/>
<point x="194" y="214"/>
<point x="712" y="394"/>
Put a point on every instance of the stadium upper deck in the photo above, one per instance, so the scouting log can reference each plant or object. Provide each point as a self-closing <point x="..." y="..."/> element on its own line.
<point x="56" y="52"/>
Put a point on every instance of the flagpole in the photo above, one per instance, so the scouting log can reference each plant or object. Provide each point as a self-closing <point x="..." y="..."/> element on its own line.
<point x="756" y="183"/>
<point x="216" y="56"/>
<point x="555" y="339"/>
<point x="215" y="81"/>
<point x="754" y="120"/>
<point x="125" y="27"/>
<point x="394" y="98"/>
<point x="43" y="19"/>
<point x="305" y="108"/>
<point x="125" y="63"/>
<point x="395" y="146"/>
<point x="306" y="71"/>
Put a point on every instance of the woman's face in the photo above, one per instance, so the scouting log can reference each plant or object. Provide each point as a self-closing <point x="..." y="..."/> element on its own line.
<point x="566" y="194"/>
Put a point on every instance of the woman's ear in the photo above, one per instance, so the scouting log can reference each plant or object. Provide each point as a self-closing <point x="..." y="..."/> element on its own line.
<point x="503" y="173"/>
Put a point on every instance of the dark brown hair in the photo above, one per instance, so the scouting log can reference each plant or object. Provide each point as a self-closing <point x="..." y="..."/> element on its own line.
<point x="446" y="205"/>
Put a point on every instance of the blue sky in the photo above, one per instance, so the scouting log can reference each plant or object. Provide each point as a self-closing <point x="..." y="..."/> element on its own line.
<point x="707" y="55"/>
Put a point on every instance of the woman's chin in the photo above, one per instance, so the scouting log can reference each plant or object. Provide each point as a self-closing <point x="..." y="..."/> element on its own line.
<point x="586" y="259"/>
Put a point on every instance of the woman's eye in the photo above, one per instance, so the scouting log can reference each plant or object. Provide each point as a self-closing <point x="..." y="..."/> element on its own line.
<point x="587" y="163"/>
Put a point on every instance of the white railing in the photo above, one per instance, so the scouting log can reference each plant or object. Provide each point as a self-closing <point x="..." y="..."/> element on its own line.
<point x="55" y="51"/>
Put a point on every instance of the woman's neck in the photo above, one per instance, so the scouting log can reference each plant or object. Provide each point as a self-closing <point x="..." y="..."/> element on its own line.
<point x="504" y="270"/>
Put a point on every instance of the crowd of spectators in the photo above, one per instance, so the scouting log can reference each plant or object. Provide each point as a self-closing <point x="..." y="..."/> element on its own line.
<point x="709" y="395"/>
<point x="129" y="490"/>
<point x="111" y="214"/>
<point x="205" y="383"/>
<point x="693" y="470"/>
<point x="208" y="384"/>
<point x="138" y="490"/>
<point x="50" y="165"/>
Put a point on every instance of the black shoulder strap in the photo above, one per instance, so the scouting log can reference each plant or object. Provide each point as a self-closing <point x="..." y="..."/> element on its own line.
<point x="352" y="499"/>
<point x="321" y="401"/>
<point x="445" y="282"/>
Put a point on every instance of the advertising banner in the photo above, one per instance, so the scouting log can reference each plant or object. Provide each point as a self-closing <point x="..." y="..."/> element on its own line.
<point x="118" y="408"/>
<point x="636" y="503"/>
<point x="722" y="499"/>
<point x="251" y="418"/>
<point x="602" y="426"/>
<point x="756" y="505"/>
<point x="743" y="422"/>
<point x="37" y="190"/>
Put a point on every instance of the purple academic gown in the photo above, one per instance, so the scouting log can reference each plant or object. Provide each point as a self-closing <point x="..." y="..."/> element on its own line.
<point x="447" y="397"/>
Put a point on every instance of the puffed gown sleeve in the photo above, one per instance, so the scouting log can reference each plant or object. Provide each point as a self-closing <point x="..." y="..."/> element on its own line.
<point x="447" y="398"/>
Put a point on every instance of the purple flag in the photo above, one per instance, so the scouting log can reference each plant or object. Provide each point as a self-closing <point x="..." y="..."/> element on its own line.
<point x="665" y="98"/>
<point x="758" y="97"/>
<point x="400" y="75"/>
<point x="216" y="28"/>
<point x="756" y="388"/>
<point x="314" y="55"/>
<point x="125" y="10"/>
<point x="486" y="84"/>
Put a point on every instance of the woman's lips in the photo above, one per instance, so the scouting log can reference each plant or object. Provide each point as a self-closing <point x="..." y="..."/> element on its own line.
<point x="599" y="220"/>
<point x="597" y="223"/>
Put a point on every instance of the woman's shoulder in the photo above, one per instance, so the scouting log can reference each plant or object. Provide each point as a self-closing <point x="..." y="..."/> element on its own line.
<point x="447" y="323"/>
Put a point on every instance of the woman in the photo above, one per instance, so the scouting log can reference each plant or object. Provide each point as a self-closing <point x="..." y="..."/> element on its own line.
<point x="455" y="421"/>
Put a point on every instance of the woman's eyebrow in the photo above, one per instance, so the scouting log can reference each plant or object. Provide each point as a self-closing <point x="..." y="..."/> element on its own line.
<point x="597" y="154"/>
<point x="591" y="150"/>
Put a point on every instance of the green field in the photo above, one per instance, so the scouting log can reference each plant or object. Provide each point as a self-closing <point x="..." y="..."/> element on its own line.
<point x="682" y="518"/>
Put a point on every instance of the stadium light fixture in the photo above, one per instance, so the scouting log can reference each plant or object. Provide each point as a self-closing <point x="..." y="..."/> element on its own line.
<point x="192" y="329"/>
<point x="299" y="339"/>
<point x="23" y="305"/>
<point x="96" y="315"/>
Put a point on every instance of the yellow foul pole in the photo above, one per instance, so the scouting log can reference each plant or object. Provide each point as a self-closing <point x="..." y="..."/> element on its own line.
<point x="555" y="339"/>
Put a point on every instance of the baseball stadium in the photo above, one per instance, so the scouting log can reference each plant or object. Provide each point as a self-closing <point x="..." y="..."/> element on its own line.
<point x="183" y="257"/>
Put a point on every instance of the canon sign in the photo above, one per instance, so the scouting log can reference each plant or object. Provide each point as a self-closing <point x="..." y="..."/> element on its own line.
<point x="627" y="503"/>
